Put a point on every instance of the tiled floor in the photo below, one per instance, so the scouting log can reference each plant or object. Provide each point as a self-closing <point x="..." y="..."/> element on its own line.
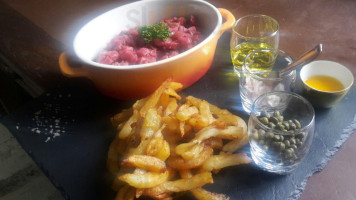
<point x="20" y="178"/>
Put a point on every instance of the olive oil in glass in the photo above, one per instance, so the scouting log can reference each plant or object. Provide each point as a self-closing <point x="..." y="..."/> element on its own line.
<point x="239" y="53"/>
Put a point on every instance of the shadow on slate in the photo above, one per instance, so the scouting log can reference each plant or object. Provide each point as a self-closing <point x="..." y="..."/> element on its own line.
<point x="75" y="160"/>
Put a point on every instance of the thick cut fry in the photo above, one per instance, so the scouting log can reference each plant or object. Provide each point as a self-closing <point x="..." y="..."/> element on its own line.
<point x="145" y="162"/>
<point x="220" y="161"/>
<point x="231" y="132"/>
<point x="151" y="124"/>
<point x="189" y="150"/>
<point x="127" y="129"/>
<point x="159" y="148"/>
<point x="180" y="185"/>
<point x="146" y="180"/>
<point x="126" y="193"/>
<point x="171" y="107"/>
<point x="153" y="99"/>
<point x="202" y="194"/>
<point x="179" y="163"/>
<point x="113" y="155"/>
<point x="124" y="115"/>
<point x="234" y="145"/>
<point x="173" y="93"/>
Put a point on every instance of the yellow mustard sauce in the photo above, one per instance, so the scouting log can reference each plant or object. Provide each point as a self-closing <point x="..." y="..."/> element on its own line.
<point x="325" y="83"/>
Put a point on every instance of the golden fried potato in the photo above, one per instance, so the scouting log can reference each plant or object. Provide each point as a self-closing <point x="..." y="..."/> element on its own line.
<point x="124" y="115"/>
<point x="126" y="193"/>
<point x="127" y="129"/>
<point x="231" y="132"/>
<point x="146" y="180"/>
<point x="233" y="145"/>
<point x="189" y="150"/>
<point x="216" y="162"/>
<point x="180" y="185"/>
<point x="158" y="146"/>
<point x="160" y="135"/>
<point x="185" y="112"/>
<point x="177" y="162"/>
<point x="149" y="163"/>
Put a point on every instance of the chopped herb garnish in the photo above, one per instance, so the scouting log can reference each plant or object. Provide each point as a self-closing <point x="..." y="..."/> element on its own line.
<point x="156" y="31"/>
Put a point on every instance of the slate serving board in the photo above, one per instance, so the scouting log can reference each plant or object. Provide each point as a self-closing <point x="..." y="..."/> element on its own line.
<point x="67" y="132"/>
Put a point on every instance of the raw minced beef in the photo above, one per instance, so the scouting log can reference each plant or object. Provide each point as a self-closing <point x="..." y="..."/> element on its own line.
<point x="129" y="49"/>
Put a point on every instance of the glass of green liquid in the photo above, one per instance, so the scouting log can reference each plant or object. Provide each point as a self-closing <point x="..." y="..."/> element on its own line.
<point x="252" y="32"/>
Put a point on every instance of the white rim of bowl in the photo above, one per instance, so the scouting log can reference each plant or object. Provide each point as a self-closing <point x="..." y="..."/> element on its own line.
<point x="340" y="65"/>
<point x="128" y="67"/>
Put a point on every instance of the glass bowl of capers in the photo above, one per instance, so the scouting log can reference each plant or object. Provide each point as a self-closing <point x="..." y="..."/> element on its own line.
<point x="281" y="130"/>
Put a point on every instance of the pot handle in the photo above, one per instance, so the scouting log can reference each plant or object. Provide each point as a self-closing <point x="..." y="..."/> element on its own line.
<point x="230" y="19"/>
<point x="71" y="71"/>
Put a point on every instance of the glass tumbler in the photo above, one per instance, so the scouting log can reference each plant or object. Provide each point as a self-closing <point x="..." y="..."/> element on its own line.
<point x="252" y="32"/>
<point x="256" y="80"/>
<point x="281" y="130"/>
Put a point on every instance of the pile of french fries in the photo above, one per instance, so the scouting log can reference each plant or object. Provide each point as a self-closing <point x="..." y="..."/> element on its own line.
<point x="165" y="146"/>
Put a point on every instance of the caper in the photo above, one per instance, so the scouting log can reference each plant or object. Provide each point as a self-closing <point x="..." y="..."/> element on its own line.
<point x="288" y="152"/>
<point x="294" y="147"/>
<point x="280" y="118"/>
<point x="292" y="141"/>
<point x="264" y="120"/>
<point x="273" y="120"/>
<point x="276" y="138"/>
<point x="269" y="135"/>
<point x="286" y="125"/>
<point x="271" y="125"/>
<point x="276" y="113"/>
<point x="280" y="127"/>
<point x="282" y="146"/>
<point x="287" y="143"/>
<point x="297" y="124"/>
<point x="298" y="143"/>
<point x="292" y="126"/>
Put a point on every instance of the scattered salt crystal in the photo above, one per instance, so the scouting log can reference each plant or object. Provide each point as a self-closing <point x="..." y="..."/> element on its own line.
<point x="56" y="135"/>
<point x="38" y="131"/>
<point x="48" y="139"/>
<point x="57" y="120"/>
<point x="17" y="127"/>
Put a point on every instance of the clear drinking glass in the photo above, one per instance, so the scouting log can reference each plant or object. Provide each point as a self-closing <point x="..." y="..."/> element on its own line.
<point x="252" y="32"/>
<point x="255" y="80"/>
<point x="281" y="130"/>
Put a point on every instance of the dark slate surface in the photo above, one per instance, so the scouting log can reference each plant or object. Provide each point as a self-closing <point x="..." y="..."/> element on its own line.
<point x="75" y="159"/>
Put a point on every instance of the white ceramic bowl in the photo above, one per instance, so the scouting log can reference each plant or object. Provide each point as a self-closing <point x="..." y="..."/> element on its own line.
<point x="327" y="68"/>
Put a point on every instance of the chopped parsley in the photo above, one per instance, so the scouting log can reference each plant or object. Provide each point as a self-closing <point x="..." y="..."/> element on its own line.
<point x="157" y="31"/>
